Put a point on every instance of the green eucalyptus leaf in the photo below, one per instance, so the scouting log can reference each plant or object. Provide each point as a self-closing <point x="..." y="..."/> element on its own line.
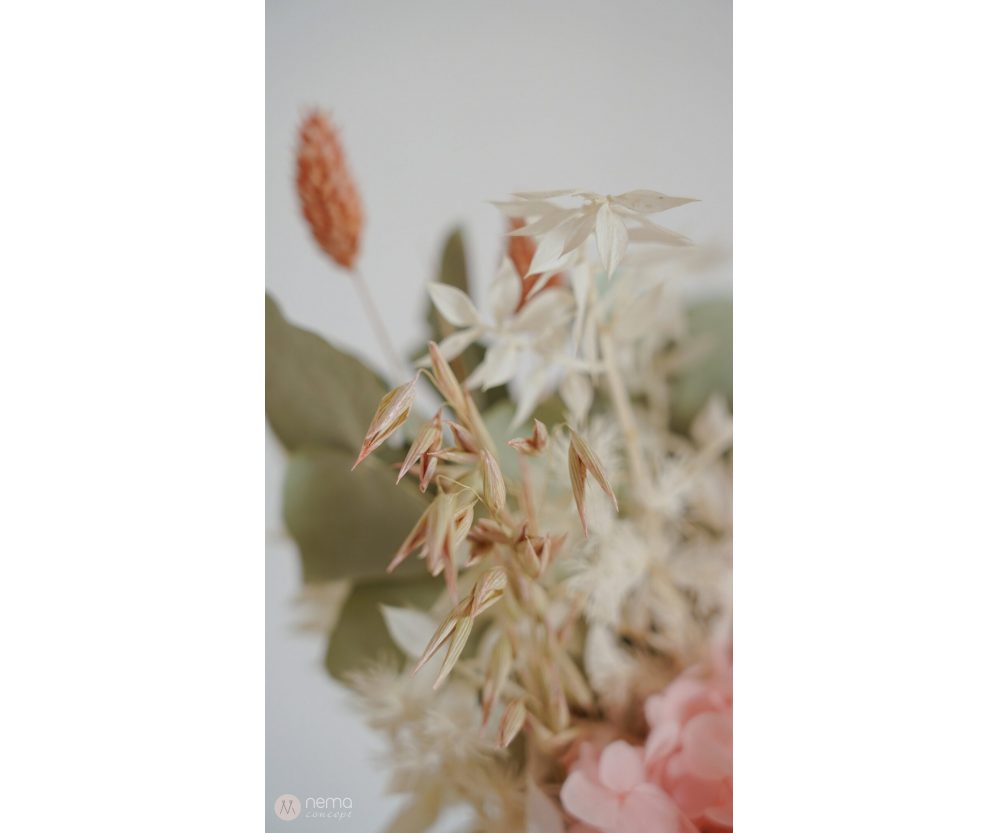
<point x="361" y="635"/>
<point x="711" y="323"/>
<point x="348" y="524"/>
<point x="314" y="393"/>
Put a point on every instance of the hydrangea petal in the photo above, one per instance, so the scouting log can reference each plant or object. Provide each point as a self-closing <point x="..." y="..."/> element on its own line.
<point x="683" y="698"/>
<point x="588" y="801"/>
<point x="662" y="739"/>
<point x="621" y="767"/>
<point x="707" y="745"/>
<point x="647" y="808"/>
<point x="697" y="796"/>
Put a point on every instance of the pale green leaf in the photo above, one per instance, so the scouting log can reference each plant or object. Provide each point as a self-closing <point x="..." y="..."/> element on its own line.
<point x="348" y="524"/>
<point x="314" y="393"/>
<point x="711" y="323"/>
<point x="361" y="636"/>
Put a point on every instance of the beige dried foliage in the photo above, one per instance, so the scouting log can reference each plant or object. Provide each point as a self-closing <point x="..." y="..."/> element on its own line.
<point x="577" y="627"/>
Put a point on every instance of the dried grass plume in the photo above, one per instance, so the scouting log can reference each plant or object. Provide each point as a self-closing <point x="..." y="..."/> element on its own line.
<point x="329" y="197"/>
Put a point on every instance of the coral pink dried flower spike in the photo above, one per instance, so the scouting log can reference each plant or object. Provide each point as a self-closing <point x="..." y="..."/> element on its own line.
<point x="332" y="207"/>
<point x="329" y="196"/>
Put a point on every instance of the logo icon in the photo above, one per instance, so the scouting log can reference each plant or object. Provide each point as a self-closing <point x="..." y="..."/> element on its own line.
<point x="287" y="807"/>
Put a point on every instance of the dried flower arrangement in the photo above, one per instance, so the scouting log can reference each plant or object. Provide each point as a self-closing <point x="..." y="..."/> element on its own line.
<point x="538" y="614"/>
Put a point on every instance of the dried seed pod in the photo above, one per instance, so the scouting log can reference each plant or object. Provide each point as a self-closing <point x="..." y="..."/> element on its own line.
<point x="327" y="192"/>
<point x="428" y="466"/>
<point x="544" y="554"/>
<point x="437" y="640"/>
<point x="446" y="381"/>
<point x="440" y="520"/>
<point x="578" y="480"/>
<point x="497" y="672"/>
<point x="416" y="538"/>
<point x="558" y="708"/>
<point x="487" y="591"/>
<point x="581" y="461"/>
<point x="533" y="445"/>
<point x="459" y="458"/>
<point x="511" y="722"/>
<point x="428" y="440"/>
<point x="435" y="531"/>
<point x="463" y="437"/>
<point x="463" y="524"/>
<point x="488" y="530"/>
<point x="528" y="558"/>
<point x="553" y="744"/>
<point x="483" y="538"/>
<point x="463" y="628"/>
<point x="494" y="489"/>
<point x="392" y="412"/>
<point x="573" y="680"/>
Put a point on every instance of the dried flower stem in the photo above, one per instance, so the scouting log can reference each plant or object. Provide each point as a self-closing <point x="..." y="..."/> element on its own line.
<point x="527" y="494"/>
<point x="377" y="325"/>
<point x="626" y="416"/>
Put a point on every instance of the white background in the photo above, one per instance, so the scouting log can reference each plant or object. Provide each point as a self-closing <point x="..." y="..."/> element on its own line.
<point x="132" y="599"/>
<point x="442" y="107"/>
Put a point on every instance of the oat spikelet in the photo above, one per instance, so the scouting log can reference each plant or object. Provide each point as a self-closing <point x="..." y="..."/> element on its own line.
<point x="391" y="413"/>
<point x="533" y="445"/>
<point x="494" y="489"/>
<point x="329" y="197"/>
<point x="582" y="461"/>
<point x="511" y="722"/>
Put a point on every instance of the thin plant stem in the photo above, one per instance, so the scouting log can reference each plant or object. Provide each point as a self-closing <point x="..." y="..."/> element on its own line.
<point x="626" y="416"/>
<point x="377" y="325"/>
<point x="527" y="494"/>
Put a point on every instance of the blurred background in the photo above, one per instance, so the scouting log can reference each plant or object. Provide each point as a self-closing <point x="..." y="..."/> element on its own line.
<point x="443" y="106"/>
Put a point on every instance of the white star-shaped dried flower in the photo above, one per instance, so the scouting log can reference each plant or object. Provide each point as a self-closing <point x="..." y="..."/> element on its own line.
<point x="561" y="231"/>
<point x="539" y="325"/>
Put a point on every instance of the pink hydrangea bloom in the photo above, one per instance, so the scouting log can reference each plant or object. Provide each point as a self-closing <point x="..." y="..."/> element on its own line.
<point x="689" y="751"/>
<point x="610" y="792"/>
